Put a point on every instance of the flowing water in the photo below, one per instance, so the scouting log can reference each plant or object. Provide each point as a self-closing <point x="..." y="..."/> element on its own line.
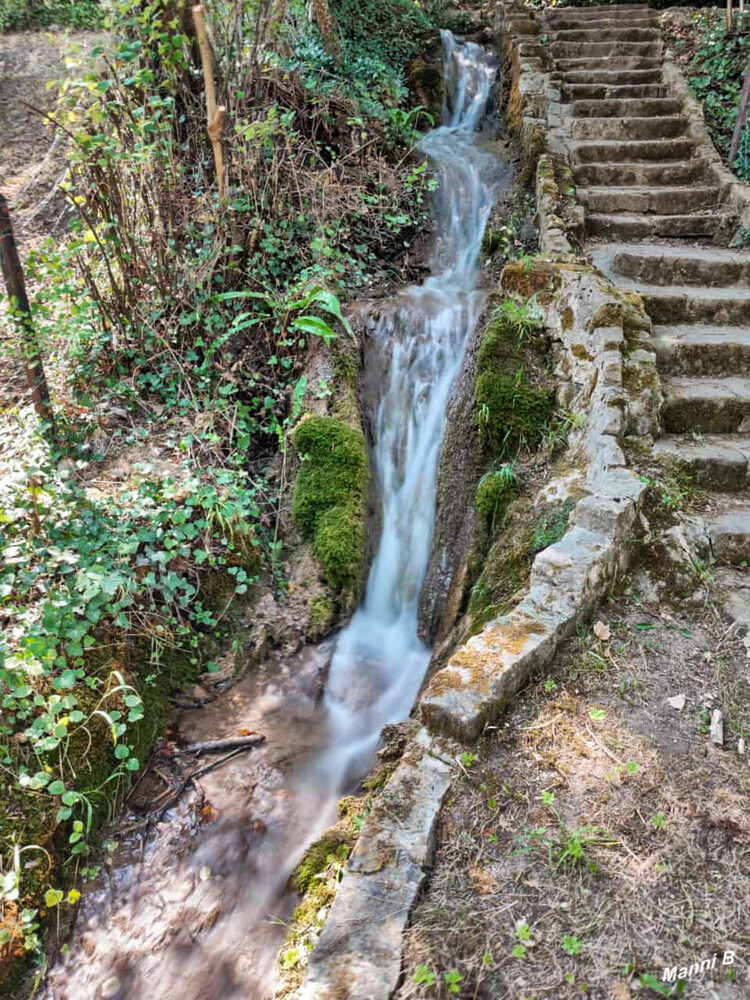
<point x="184" y="913"/>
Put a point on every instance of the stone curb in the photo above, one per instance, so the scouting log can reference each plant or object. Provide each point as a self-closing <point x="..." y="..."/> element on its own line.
<point x="359" y="953"/>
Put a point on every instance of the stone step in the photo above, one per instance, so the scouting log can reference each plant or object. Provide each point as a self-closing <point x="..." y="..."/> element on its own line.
<point x="721" y="462"/>
<point x="702" y="349"/>
<point x="730" y="537"/>
<point x="659" y="200"/>
<point x="686" y="304"/>
<point x="713" y="405"/>
<point x="617" y="14"/>
<point x="612" y="77"/>
<point x="625" y="66"/>
<point x="622" y="129"/>
<point x="699" y="266"/>
<point x="649" y="107"/>
<point x="617" y="92"/>
<point x="657" y="174"/>
<point x="610" y="50"/>
<point x="613" y="32"/>
<point x="638" y="227"/>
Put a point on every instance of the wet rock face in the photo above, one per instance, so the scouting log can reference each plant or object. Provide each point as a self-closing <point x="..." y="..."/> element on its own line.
<point x="456" y="525"/>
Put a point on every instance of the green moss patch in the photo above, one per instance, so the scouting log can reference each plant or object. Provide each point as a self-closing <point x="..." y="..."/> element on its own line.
<point x="493" y="492"/>
<point x="330" y="497"/>
<point x="511" y="409"/>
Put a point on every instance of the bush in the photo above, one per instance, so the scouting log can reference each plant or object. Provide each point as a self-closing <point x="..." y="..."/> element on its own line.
<point x="391" y="31"/>
<point x="19" y="15"/>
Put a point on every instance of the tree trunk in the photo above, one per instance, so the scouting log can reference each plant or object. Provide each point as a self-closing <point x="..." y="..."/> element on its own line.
<point x="327" y="27"/>
<point x="20" y="309"/>
<point x="741" y="115"/>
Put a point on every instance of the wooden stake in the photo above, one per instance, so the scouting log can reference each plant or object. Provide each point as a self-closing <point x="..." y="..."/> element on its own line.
<point x="16" y="289"/>
<point x="214" y="114"/>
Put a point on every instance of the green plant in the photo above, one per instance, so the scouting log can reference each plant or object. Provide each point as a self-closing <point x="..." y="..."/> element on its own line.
<point x="493" y="491"/>
<point x="423" y="976"/>
<point x="572" y="945"/>
<point x="453" y="979"/>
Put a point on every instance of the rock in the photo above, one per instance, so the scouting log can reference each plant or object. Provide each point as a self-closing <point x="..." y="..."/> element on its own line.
<point x="717" y="728"/>
<point x="110" y="988"/>
<point x="677" y="702"/>
<point x="741" y="747"/>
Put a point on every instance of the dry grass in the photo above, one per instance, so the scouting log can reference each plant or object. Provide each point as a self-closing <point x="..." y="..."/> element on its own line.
<point x="661" y="816"/>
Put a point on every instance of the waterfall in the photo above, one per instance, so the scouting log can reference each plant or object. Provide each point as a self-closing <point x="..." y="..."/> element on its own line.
<point x="379" y="662"/>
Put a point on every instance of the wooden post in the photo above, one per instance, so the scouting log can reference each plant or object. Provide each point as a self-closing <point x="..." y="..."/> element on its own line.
<point x="16" y="288"/>
<point x="214" y="114"/>
<point x="729" y="15"/>
<point x="741" y="115"/>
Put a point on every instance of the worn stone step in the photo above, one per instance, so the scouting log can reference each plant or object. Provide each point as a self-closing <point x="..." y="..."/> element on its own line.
<point x="711" y="405"/>
<point x="719" y="461"/>
<point x="730" y="537"/>
<point x="621" y="129"/>
<point x="686" y="304"/>
<point x="625" y="66"/>
<point x="616" y="14"/>
<point x="691" y="266"/>
<point x="637" y="227"/>
<point x="649" y="107"/>
<point x="611" y="77"/>
<point x="611" y="32"/>
<point x="702" y="349"/>
<point x="659" y="200"/>
<point x="669" y="173"/>
<point x="611" y="50"/>
<point x="572" y="92"/>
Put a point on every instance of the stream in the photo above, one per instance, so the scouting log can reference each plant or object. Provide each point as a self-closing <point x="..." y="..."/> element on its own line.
<point x="195" y="909"/>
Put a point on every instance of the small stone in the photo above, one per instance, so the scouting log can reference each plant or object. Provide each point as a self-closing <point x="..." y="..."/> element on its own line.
<point x="110" y="987"/>
<point x="717" y="728"/>
<point x="204" y="873"/>
<point x="677" y="702"/>
<point x="741" y="746"/>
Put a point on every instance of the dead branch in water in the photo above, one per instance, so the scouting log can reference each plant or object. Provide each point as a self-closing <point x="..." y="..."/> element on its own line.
<point x="216" y="746"/>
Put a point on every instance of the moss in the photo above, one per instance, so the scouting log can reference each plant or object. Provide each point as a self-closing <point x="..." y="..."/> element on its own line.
<point x="510" y="411"/>
<point x="332" y="846"/>
<point x="493" y="492"/>
<point x="322" y="615"/>
<point x="551" y="526"/>
<point x="492" y="241"/>
<point x="330" y="497"/>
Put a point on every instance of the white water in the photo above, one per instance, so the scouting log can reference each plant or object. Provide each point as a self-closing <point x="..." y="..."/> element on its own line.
<point x="160" y="925"/>
<point x="379" y="662"/>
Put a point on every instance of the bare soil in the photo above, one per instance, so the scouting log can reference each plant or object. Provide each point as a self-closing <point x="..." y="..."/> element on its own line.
<point x="654" y="817"/>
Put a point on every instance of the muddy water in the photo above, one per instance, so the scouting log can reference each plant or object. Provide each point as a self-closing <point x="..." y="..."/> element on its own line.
<point x="185" y="911"/>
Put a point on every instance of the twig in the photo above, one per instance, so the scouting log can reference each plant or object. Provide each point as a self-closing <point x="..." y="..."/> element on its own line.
<point x="189" y="779"/>
<point x="216" y="746"/>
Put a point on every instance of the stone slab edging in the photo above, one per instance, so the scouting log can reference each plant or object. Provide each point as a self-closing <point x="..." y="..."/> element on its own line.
<point x="586" y="318"/>
<point x="359" y="953"/>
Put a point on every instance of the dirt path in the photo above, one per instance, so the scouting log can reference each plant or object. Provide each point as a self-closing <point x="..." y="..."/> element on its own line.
<point x="595" y="761"/>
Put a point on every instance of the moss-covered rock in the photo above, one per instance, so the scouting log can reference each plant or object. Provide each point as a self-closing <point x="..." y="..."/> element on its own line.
<point x="510" y="410"/>
<point x="330" y="498"/>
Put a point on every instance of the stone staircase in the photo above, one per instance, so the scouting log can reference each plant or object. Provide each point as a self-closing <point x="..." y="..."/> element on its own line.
<point x="655" y="221"/>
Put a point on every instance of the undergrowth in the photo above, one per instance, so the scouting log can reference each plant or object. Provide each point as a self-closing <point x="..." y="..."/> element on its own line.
<point x="714" y="61"/>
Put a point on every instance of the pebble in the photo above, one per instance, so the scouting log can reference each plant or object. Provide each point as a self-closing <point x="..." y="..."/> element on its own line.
<point x="717" y="728"/>
<point x="677" y="702"/>
<point x="741" y="747"/>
